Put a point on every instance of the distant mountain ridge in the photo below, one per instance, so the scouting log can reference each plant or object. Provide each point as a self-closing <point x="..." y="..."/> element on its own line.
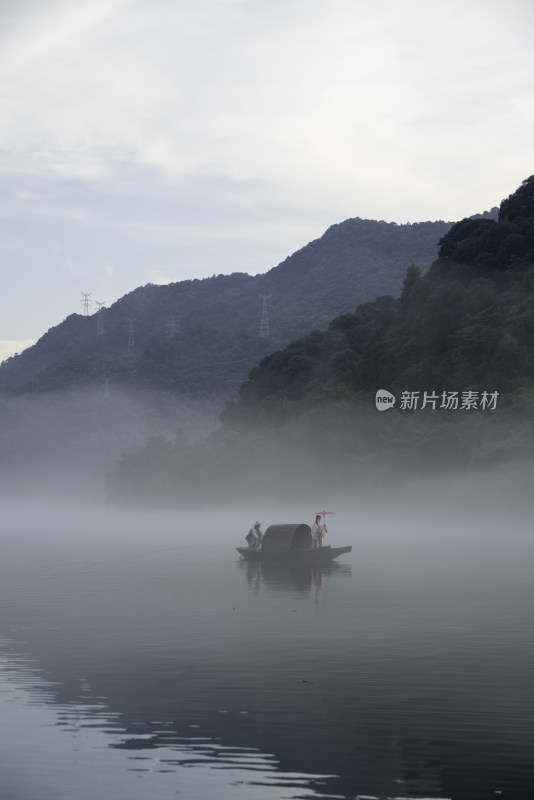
<point x="469" y="322"/>
<point x="455" y="351"/>
<point x="201" y="337"/>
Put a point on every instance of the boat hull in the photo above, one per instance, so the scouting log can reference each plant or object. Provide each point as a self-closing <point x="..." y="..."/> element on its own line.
<point x="318" y="555"/>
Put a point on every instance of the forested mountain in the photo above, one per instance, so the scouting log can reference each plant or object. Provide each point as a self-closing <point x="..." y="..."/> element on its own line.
<point x="456" y="350"/>
<point x="201" y="337"/>
<point x="469" y="323"/>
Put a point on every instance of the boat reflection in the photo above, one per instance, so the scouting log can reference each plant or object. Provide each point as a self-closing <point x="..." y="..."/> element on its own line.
<point x="299" y="577"/>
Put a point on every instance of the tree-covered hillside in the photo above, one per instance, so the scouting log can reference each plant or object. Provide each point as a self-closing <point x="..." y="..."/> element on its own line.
<point x="201" y="337"/>
<point x="458" y="343"/>
<point x="469" y="323"/>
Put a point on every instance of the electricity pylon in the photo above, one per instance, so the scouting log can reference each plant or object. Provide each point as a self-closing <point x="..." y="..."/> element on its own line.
<point x="99" y="318"/>
<point x="86" y="302"/>
<point x="264" y="321"/>
<point x="131" y="341"/>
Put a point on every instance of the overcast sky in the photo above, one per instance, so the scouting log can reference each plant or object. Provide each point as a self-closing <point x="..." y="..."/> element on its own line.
<point x="149" y="141"/>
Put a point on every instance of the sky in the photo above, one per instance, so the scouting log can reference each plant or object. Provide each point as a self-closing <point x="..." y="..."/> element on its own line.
<point x="150" y="141"/>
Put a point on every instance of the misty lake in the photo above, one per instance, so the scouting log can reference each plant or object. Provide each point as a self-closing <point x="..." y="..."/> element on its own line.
<point x="141" y="658"/>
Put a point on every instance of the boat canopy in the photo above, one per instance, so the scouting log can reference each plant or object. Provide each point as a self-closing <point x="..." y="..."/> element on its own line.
<point x="287" y="537"/>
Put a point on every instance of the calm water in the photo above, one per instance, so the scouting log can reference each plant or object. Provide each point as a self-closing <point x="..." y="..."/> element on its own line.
<point x="140" y="658"/>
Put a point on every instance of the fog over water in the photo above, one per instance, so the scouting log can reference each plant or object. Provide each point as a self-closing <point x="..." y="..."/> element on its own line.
<point x="143" y="658"/>
<point x="62" y="445"/>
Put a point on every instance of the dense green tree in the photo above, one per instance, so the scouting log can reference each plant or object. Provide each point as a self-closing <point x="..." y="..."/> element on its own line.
<point x="520" y="203"/>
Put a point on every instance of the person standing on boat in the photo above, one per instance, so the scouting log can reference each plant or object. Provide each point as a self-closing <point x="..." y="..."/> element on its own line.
<point x="318" y="530"/>
<point x="254" y="536"/>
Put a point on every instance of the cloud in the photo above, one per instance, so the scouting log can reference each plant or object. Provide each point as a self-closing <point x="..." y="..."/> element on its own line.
<point x="10" y="347"/>
<point x="330" y="104"/>
<point x="223" y="135"/>
<point x="71" y="266"/>
<point x="159" y="277"/>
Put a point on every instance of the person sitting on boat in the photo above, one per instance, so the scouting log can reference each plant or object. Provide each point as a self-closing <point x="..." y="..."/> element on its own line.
<point x="318" y="530"/>
<point x="254" y="536"/>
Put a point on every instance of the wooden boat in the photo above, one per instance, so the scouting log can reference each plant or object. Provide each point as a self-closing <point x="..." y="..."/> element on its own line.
<point x="291" y="543"/>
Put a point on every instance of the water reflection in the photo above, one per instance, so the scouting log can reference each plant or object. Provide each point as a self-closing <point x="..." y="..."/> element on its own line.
<point x="84" y="736"/>
<point x="304" y="578"/>
<point x="185" y="670"/>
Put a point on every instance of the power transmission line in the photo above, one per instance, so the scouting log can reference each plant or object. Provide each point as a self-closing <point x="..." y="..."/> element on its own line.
<point x="86" y="302"/>
<point x="131" y="340"/>
<point x="99" y="318"/>
<point x="264" y="320"/>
